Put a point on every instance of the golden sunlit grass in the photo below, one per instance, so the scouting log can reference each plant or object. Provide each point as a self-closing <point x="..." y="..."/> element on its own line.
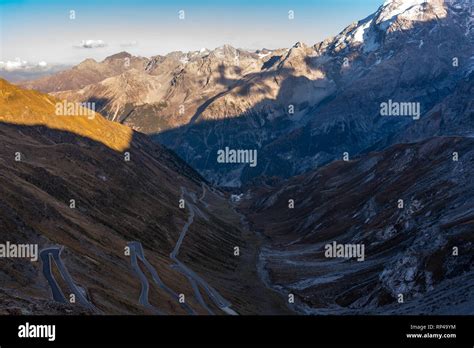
<point x="32" y="108"/>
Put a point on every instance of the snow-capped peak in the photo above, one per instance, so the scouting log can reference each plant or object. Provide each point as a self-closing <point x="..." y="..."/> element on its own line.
<point x="413" y="10"/>
<point x="392" y="8"/>
<point x="391" y="16"/>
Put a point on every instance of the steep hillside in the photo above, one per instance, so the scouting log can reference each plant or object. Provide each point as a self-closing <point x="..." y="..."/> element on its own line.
<point x="61" y="185"/>
<point x="32" y="108"/>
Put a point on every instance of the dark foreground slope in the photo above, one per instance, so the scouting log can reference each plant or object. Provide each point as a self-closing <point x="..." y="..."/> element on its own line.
<point x="421" y="250"/>
<point x="116" y="202"/>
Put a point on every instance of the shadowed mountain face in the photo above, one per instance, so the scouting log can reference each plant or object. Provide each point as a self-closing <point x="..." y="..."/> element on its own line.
<point x="114" y="202"/>
<point x="300" y="107"/>
<point x="418" y="248"/>
<point x="335" y="90"/>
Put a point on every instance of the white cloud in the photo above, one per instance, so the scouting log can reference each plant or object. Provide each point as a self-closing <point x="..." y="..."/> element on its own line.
<point x="91" y="44"/>
<point x="19" y="64"/>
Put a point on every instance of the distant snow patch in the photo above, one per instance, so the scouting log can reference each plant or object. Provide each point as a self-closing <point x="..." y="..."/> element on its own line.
<point x="360" y="31"/>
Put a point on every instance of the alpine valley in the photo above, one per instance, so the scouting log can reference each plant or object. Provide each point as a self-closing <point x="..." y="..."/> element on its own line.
<point x="234" y="234"/>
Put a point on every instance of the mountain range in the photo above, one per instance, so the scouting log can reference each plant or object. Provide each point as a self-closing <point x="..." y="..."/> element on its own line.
<point x="300" y="107"/>
<point x="333" y="167"/>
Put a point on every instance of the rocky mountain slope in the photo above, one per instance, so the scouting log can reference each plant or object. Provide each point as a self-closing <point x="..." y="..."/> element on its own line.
<point x="299" y="107"/>
<point x="160" y="92"/>
<point x="343" y="82"/>
<point x="417" y="251"/>
<point x="48" y="160"/>
<point x="87" y="72"/>
<point x="32" y="108"/>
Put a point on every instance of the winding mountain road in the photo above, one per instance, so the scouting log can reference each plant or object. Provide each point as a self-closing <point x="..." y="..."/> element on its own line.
<point x="54" y="253"/>
<point x="137" y="253"/>
<point x="219" y="301"/>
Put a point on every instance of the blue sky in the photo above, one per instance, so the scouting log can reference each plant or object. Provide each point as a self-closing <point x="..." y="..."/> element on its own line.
<point x="43" y="31"/>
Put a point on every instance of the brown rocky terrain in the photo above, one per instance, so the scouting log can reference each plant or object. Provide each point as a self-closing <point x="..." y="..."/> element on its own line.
<point x="152" y="94"/>
<point x="87" y="72"/>
<point x="116" y="202"/>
